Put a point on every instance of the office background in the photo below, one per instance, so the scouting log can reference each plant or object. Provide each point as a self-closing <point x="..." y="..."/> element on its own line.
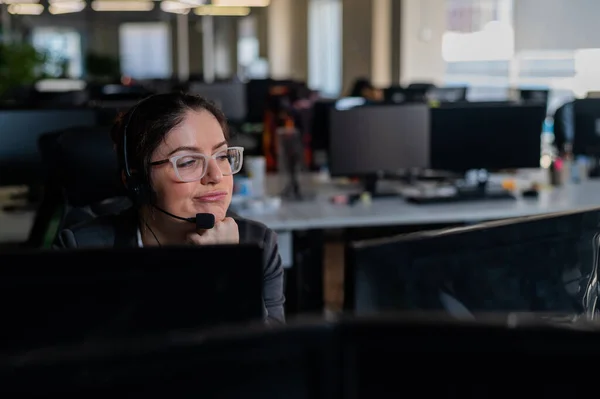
<point x="490" y="46"/>
<point x="329" y="43"/>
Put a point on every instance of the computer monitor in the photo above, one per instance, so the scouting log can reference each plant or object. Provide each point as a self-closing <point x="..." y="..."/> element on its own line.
<point x="230" y="97"/>
<point x="258" y="92"/>
<point x="460" y="356"/>
<point x="20" y="130"/>
<point x="586" y="140"/>
<point x="488" y="93"/>
<point x="493" y="137"/>
<point x="532" y="264"/>
<point x="447" y="94"/>
<point x="539" y="96"/>
<point x="319" y="130"/>
<point x="297" y="362"/>
<point x="400" y="95"/>
<point x="54" y="297"/>
<point x="367" y="140"/>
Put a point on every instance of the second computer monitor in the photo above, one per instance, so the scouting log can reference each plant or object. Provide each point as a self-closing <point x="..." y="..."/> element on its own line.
<point x="502" y="136"/>
<point x="383" y="138"/>
<point x="230" y="97"/>
<point x="544" y="263"/>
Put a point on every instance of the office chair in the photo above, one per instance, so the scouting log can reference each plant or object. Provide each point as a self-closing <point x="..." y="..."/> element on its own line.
<point x="81" y="181"/>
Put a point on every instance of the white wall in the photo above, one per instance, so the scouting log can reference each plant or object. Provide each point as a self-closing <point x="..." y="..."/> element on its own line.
<point x="287" y="39"/>
<point x="381" y="43"/>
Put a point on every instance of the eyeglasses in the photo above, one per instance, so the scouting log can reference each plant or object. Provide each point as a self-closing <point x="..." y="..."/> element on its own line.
<point x="193" y="167"/>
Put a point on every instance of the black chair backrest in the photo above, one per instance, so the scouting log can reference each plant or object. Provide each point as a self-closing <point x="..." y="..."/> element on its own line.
<point x="82" y="181"/>
<point x="88" y="166"/>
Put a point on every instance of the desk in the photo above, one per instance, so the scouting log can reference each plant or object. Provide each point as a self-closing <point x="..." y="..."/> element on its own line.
<point x="300" y="225"/>
<point x="321" y="214"/>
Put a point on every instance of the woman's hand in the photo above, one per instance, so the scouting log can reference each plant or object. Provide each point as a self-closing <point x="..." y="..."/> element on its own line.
<point x="224" y="232"/>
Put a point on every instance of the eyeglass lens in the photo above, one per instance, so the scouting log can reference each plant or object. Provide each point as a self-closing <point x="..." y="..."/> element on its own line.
<point x="192" y="167"/>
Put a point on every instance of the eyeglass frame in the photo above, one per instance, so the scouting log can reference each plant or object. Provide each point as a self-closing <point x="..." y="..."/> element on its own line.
<point x="173" y="160"/>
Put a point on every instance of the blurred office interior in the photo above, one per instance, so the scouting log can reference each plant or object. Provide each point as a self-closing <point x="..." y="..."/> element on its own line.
<point x="362" y="122"/>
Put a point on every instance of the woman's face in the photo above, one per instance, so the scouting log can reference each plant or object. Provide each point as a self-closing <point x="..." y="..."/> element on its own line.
<point x="200" y="132"/>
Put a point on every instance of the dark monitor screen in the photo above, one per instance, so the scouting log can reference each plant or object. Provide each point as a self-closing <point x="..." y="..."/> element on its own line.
<point x="531" y="264"/>
<point x="399" y="95"/>
<point x="257" y="96"/>
<point x="231" y="363"/>
<point x="586" y="140"/>
<point x="486" y="137"/>
<point x="73" y="296"/>
<point x="20" y="161"/>
<point x="320" y="124"/>
<point x="461" y="355"/>
<point x="378" y="138"/>
<point x="534" y="95"/>
<point x="230" y="97"/>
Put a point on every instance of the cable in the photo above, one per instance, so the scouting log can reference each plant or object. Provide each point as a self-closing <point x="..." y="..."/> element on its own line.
<point x="152" y="232"/>
<point x="590" y="301"/>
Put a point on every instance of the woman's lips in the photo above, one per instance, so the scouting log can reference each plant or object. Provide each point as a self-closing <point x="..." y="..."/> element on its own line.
<point x="213" y="196"/>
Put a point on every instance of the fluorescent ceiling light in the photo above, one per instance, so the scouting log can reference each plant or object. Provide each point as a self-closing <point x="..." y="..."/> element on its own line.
<point x="60" y="85"/>
<point x="116" y="5"/>
<point x="25" y="9"/>
<point x="222" y="11"/>
<point x="175" y="7"/>
<point x="241" y="3"/>
<point x="193" y="3"/>
<point x="19" y="1"/>
<point x="65" y="6"/>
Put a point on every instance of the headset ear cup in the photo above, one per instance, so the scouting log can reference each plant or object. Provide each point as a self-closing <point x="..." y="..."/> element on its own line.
<point x="136" y="190"/>
<point x="141" y="193"/>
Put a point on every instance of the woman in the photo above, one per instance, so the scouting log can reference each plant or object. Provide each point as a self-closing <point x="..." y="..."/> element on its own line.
<point x="175" y="161"/>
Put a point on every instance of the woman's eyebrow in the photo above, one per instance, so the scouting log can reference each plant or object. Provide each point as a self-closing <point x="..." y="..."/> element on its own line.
<point x="195" y="149"/>
<point x="183" y="148"/>
<point x="221" y="144"/>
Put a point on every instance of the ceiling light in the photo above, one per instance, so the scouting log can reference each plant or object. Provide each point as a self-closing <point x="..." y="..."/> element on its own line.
<point x="241" y="3"/>
<point x="60" y="85"/>
<point x="19" y="1"/>
<point x="116" y="5"/>
<point x="65" y="6"/>
<point x="193" y="3"/>
<point x="26" y="9"/>
<point x="222" y="11"/>
<point x="175" y="7"/>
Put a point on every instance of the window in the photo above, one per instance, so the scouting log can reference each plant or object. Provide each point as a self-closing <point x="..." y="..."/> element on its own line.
<point x="251" y="65"/>
<point x="325" y="46"/>
<point x="145" y="50"/>
<point x="479" y="44"/>
<point x="63" y="47"/>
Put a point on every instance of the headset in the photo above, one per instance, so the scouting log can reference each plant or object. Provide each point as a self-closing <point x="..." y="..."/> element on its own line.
<point x="140" y="190"/>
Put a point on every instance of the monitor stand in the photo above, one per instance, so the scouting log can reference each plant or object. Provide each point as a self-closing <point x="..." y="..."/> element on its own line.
<point x="478" y="191"/>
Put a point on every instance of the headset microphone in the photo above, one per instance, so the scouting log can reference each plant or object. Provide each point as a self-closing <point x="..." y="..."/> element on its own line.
<point x="204" y="221"/>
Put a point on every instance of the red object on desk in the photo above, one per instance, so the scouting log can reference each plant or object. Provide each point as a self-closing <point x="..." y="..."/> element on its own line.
<point x="558" y="164"/>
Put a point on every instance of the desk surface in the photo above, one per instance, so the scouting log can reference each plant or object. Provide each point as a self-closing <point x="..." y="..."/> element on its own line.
<point x="321" y="214"/>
